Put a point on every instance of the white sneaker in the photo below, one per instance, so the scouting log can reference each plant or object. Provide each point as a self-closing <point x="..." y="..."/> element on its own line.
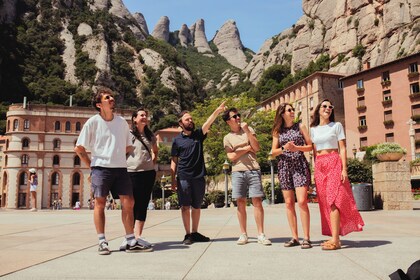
<point x="144" y="242"/>
<point x="243" y="239"/>
<point x="123" y="245"/>
<point x="263" y="240"/>
<point x="33" y="210"/>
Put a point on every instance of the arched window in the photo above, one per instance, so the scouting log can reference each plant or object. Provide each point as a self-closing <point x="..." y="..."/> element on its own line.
<point x="8" y="125"/>
<point x="76" y="179"/>
<point x="68" y="126"/>
<point x="7" y="144"/>
<point x="23" y="178"/>
<point x="76" y="161"/>
<point x="56" y="160"/>
<point x="25" y="143"/>
<point x="26" y="125"/>
<point x="15" y="125"/>
<point x="5" y="160"/>
<point x="25" y="159"/>
<point x="55" y="178"/>
<point x="57" y="126"/>
<point x="57" y="144"/>
<point x="78" y="126"/>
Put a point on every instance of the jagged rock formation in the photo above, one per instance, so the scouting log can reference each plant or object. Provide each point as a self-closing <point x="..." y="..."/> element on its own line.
<point x="69" y="55"/>
<point x="385" y="30"/>
<point x="97" y="48"/>
<point x="142" y="23"/>
<point x="161" y="30"/>
<point x="199" y="37"/>
<point x="229" y="44"/>
<point x="8" y="11"/>
<point x="184" y="36"/>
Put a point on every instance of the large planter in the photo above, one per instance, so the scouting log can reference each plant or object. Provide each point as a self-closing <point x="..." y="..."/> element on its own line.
<point x="390" y="156"/>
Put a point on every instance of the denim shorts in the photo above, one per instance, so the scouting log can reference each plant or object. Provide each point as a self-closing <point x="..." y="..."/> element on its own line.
<point x="191" y="192"/>
<point x="114" y="180"/>
<point x="242" y="181"/>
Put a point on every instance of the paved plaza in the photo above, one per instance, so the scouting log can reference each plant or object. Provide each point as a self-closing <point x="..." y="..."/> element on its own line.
<point x="63" y="245"/>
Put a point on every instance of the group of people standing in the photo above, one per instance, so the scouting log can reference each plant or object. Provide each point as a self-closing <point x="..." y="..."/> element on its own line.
<point x="123" y="162"/>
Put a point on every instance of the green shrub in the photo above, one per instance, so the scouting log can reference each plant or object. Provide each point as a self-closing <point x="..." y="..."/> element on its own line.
<point x="359" y="171"/>
<point x="217" y="197"/>
<point x="388" y="147"/>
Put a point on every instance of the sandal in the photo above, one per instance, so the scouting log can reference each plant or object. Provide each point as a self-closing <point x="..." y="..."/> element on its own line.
<point x="326" y="242"/>
<point x="331" y="246"/>
<point x="306" y="244"/>
<point x="293" y="242"/>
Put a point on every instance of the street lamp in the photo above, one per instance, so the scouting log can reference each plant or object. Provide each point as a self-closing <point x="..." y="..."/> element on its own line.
<point x="272" y="159"/>
<point x="354" y="150"/>
<point x="226" y="171"/>
<point x="163" y="181"/>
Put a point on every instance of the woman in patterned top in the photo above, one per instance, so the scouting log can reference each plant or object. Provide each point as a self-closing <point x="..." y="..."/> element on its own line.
<point x="290" y="141"/>
<point x="339" y="215"/>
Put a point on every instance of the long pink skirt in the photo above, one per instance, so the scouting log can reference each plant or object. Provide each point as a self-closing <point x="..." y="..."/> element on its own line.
<point x="331" y="191"/>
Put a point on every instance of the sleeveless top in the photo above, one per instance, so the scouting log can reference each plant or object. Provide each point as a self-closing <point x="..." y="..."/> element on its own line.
<point x="35" y="181"/>
<point x="291" y="134"/>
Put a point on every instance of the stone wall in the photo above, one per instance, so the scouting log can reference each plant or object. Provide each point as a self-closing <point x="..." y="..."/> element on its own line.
<point x="392" y="186"/>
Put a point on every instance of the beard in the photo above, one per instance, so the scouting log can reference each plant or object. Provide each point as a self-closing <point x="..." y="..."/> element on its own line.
<point x="189" y="127"/>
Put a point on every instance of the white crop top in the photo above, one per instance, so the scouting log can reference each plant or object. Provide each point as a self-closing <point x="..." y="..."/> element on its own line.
<point x="327" y="136"/>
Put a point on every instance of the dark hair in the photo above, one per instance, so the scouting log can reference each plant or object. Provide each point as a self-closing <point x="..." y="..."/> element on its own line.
<point x="180" y="115"/>
<point x="97" y="98"/>
<point x="226" y="114"/>
<point x="135" y="131"/>
<point x="278" y="119"/>
<point x="315" y="117"/>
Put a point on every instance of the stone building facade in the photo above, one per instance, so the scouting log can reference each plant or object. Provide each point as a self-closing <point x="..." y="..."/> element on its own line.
<point x="43" y="137"/>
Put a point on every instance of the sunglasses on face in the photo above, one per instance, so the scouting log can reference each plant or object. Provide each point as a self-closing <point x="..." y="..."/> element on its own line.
<point x="235" y="116"/>
<point x="107" y="97"/>
<point x="290" y="110"/>
<point x="328" y="106"/>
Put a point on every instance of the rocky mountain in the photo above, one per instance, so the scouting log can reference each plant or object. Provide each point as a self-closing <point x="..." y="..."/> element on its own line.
<point x="350" y="31"/>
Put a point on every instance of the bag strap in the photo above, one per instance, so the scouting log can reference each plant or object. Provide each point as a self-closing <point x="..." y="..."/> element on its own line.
<point x="144" y="144"/>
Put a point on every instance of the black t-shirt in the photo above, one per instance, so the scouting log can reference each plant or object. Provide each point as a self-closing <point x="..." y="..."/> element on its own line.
<point x="189" y="150"/>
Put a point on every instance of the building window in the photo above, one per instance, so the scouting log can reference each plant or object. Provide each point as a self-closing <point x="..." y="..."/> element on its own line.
<point x="360" y="84"/>
<point x="78" y="126"/>
<point x="387" y="95"/>
<point x="25" y="143"/>
<point x="340" y="84"/>
<point x="15" y="125"/>
<point x="414" y="88"/>
<point x="56" y="160"/>
<point x="55" y="178"/>
<point x="363" y="142"/>
<point x="388" y="115"/>
<point x="76" y="179"/>
<point x="26" y="125"/>
<point x="413" y="68"/>
<point x="23" y="178"/>
<point x="299" y="107"/>
<point x="76" y="161"/>
<point x="57" y="126"/>
<point x="362" y="121"/>
<point x="385" y="76"/>
<point x="25" y="159"/>
<point x="68" y="126"/>
<point x="311" y="103"/>
<point x="417" y="137"/>
<point x="389" y="137"/>
<point x="361" y="102"/>
<point x="415" y="109"/>
<point x="5" y="160"/>
<point x="56" y="144"/>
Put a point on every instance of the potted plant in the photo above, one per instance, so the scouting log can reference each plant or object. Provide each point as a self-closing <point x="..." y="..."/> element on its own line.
<point x="389" y="151"/>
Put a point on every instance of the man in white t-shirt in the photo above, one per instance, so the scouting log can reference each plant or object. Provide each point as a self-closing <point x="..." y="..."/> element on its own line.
<point x="107" y="136"/>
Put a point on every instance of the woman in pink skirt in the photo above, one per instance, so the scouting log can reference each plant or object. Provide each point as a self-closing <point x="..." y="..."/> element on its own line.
<point x="339" y="215"/>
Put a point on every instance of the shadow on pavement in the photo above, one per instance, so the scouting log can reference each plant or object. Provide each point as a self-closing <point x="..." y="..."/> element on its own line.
<point x="365" y="243"/>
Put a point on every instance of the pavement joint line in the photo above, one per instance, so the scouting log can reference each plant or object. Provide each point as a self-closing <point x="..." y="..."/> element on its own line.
<point x="362" y="267"/>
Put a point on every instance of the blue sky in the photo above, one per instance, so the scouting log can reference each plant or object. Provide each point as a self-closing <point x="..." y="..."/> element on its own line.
<point x="257" y="21"/>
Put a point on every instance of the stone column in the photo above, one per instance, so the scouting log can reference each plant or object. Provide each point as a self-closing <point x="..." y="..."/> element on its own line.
<point x="392" y="185"/>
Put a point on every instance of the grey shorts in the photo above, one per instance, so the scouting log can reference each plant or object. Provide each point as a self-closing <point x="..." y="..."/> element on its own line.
<point x="191" y="192"/>
<point x="242" y="181"/>
<point x="114" y="180"/>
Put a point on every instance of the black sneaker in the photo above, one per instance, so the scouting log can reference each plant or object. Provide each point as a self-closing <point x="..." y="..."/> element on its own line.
<point x="198" y="237"/>
<point x="103" y="249"/>
<point x="187" y="239"/>
<point x="137" y="248"/>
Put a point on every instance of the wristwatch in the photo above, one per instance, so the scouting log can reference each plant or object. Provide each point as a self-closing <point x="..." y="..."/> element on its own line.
<point x="282" y="148"/>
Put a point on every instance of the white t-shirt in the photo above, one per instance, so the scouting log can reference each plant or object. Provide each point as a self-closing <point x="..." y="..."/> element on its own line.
<point x="107" y="141"/>
<point x="327" y="136"/>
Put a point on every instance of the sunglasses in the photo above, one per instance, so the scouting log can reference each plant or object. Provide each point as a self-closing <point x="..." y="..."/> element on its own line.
<point x="235" y="116"/>
<point x="328" y="106"/>
<point x="107" y="97"/>
<point x="290" y="110"/>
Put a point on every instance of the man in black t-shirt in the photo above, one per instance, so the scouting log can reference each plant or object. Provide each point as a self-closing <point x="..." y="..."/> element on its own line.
<point x="188" y="163"/>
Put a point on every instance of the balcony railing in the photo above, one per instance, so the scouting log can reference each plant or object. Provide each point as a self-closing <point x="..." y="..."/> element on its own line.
<point x="389" y="123"/>
<point x="360" y="90"/>
<point x="362" y="127"/>
<point x="361" y="108"/>
<point x="415" y="118"/>
<point x="413" y="74"/>
<point x="386" y="83"/>
<point x="414" y="95"/>
<point x="387" y="102"/>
